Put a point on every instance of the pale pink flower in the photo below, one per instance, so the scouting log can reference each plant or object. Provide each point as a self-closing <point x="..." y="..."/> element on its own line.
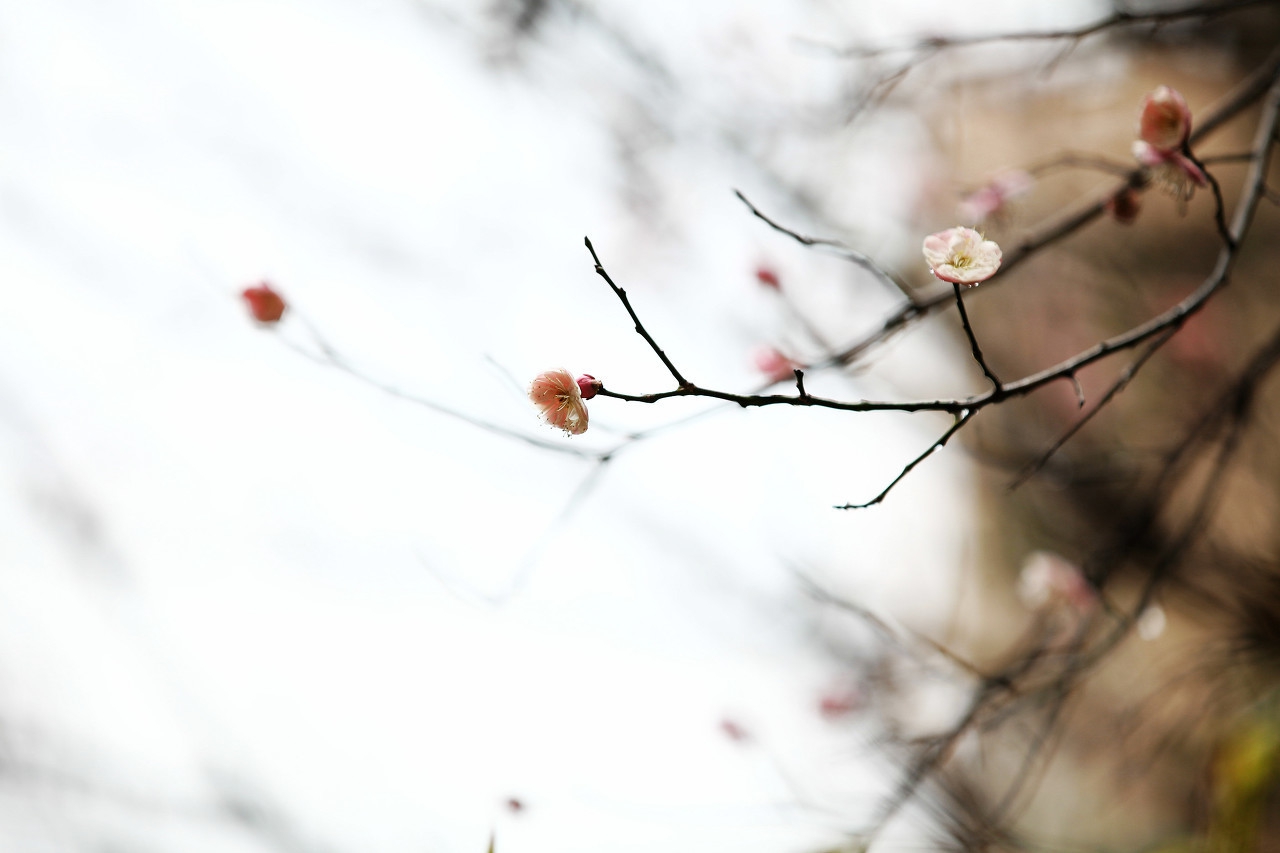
<point x="992" y="199"/>
<point x="1171" y="170"/>
<point x="960" y="255"/>
<point x="557" y="395"/>
<point x="1047" y="578"/>
<point x="773" y="364"/>
<point x="1165" y="121"/>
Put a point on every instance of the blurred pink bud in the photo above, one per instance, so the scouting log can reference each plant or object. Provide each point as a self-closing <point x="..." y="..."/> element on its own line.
<point x="515" y="805"/>
<point x="767" y="277"/>
<point x="1125" y="205"/>
<point x="960" y="255"/>
<point x="991" y="199"/>
<point x="734" y="731"/>
<point x="773" y="364"/>
<point x="558" y="397"/>
<point x="1048" y="578"/>
<point x="1165" y="122"/>
<point x="265" y="304"/>
<point x="840" y="702"/>
<point x="588" y="385"/>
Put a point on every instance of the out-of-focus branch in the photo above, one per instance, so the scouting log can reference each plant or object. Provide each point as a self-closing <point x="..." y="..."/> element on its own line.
<point x="1116" y="20"/>
<point x="1245" y="94"/>
<point x="837" y="248"/>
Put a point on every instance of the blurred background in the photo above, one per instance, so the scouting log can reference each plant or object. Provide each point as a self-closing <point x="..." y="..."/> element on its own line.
<point x="256" y="597"/>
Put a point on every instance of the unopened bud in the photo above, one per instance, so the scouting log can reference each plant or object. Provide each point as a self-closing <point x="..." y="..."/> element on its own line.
<point x="773" y="364"/>
<point x="265" y="304"/>
<point x="768" y="277"/>
<point x="1125" y="205"/>
<point x="1165" y="122"/>
<point x="589" y="385"/>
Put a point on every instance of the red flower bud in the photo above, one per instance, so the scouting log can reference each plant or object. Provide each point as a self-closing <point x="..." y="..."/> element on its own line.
<point x="265" y="304"/>
<point x="589" y="385"/>
<point x="767" y="277"/>
<point x="1125" y="205"/>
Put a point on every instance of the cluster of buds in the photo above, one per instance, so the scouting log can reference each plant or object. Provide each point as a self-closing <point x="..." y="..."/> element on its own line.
<point x="562" y="399"/>
<point x="1163" y="130"/>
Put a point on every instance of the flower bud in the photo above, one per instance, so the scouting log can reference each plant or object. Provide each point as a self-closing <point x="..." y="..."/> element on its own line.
<point x="991" y="201"/>
<point x="588" y="385"/>
<point x="1125" y="205"/>
<point x="768" y="277"/>
<point x="773" y="364"/>
<point x="1165" y="122"/>
<point x="265" y="304"/>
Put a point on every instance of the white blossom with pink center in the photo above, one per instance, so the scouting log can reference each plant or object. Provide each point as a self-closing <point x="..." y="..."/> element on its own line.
<point x="960" y="255"/>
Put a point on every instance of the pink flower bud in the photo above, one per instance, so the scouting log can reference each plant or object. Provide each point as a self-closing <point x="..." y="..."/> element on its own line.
<point x="992" y="199"/>
<point x="265" y="304"/>
<point x="960" y="255"/>
<point x="558" y="397"/>
<point x="840" y="702"/>
<point x="767" y="277"/>
<point x="1165" y="122"/>
<point x="734" y="730"/>
<point x="588" y="385"/>
<point x="773" y="364"/>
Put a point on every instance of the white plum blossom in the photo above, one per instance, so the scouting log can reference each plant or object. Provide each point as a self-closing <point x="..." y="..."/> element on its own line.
<point x="960" y="255"/>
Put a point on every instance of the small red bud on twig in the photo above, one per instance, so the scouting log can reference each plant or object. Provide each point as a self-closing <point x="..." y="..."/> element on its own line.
<point x="266" y="306"/>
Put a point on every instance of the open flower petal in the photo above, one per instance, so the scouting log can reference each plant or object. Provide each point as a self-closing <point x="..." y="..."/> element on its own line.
<point x="960" y="255"/>
<point x="557" y="395"/>
<point x="1172" y="171"/>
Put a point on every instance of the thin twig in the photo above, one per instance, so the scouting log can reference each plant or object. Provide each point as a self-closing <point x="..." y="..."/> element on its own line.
<point x="1036" y="465"/>
<point x="960" y="421"/>
<point x="330" y="357"/>
<point x="640" y="329"/>
<point x="973" y="344"/>
<point x="837" y="248"/>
